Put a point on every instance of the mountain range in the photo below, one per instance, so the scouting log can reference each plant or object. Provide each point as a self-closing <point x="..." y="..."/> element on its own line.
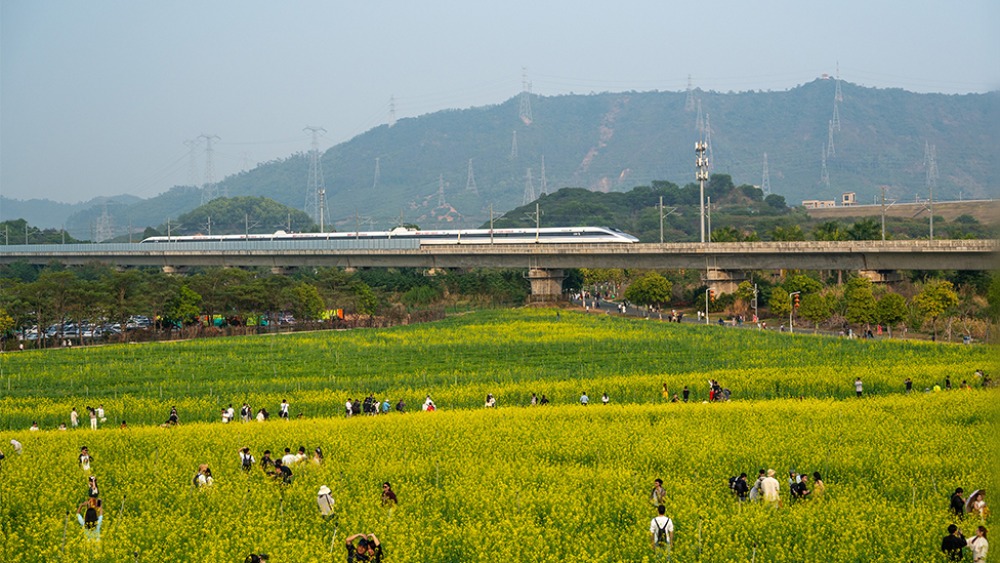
<point x="605" y="142"/>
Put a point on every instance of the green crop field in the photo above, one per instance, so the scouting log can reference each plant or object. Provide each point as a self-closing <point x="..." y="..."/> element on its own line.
<point x="561" y="482"/>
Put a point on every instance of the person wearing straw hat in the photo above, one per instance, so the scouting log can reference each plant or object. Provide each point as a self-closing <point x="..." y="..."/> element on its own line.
<point x="769" y="488"/>
<point x="325" y="501"/>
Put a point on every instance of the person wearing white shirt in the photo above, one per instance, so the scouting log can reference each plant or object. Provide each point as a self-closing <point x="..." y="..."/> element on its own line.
<point x="979" y="546"/>
<point x="231" y="413"/>
<point x="283" y="410"/>
<point x="769" y="489"/>
<point x="74" y="418"/>
<point x="301" y="455"/>
<point x="100" y="414"/>
<point x="661" y="529"/>
<point x="289" y="458"/>
<point x="584" y="399"/>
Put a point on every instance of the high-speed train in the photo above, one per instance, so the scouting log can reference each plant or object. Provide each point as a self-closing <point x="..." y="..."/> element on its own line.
<point x="563" y="235"/>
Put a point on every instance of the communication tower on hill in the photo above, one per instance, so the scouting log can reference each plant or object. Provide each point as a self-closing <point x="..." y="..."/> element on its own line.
<point x="765" y="182"/>
<point x="315" y="181"/>
<point x="208" y="192"/>
<point x="525" y="107"/>
<point x="529" y="189"/>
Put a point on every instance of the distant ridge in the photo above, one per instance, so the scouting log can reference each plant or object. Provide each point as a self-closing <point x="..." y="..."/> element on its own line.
<point x="615" y="141"/>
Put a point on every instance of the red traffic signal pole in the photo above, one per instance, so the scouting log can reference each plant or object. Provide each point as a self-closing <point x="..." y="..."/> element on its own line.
<point x="793" y="297"/>
<point x="710" y="292"/>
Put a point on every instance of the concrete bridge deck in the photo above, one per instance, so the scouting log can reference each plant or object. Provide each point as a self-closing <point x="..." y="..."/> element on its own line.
<point x="803" y="255"/>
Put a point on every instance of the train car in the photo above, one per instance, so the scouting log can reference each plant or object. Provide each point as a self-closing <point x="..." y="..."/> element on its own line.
<point x="558" y="235"/>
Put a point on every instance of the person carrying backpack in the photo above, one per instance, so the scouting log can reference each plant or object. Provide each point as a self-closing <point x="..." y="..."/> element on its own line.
<point x="661" y="530"/>
<point x="246" y="459"/>
<point x="739" y="487"/>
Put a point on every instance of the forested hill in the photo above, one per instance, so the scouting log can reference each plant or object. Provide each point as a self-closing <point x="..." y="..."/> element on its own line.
<point x="616" y="141"/>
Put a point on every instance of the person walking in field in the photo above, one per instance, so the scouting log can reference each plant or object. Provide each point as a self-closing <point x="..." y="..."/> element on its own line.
<point x="819" y="487"/>
<point x="605" y="399"/>
<point x="909" y="384"/>
<point x="283" y="410"/>
<point x="230" y="413"/>
<point x="858" y="386"/>
<point x="85" y="458"/>
<point x="755" y="492"/>
<point x="584" y="399"/>
<point x="203" y="477"/>
<point x="661" y="530"/>
<point x="658" y="497"/>
<point x="388" y="495"/>
<point x="686" y="393"/>
<point x="93" y="418"/>
<point x="769" y="489"/>
<point x="246" y="459"/>
<point x="266" y="463"/>
<point x="74" y="418"/>
<point x="90" y="515"/>
<point x="325" y="501"/>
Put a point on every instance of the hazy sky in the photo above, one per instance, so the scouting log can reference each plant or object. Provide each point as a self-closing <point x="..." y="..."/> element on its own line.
<point x="97" y="97"/>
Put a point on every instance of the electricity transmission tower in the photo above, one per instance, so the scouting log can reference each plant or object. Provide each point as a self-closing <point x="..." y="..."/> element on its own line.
<point x="839" y="95"/>
<point x="524" y="111"/>
<point x="392" y="111"/>
<point x="378" y="172"/>
<point x="315" y="181"/>
<point x="105" y="226"/>
<point x="441" y="201"/>
<point x="208" y="192"/>
<point x="529" y="189"/>
<point x="544" y="188"/>
<point x="689" y="100"/>
<point x="470" y="182"/>
<point x="765" y="182"/>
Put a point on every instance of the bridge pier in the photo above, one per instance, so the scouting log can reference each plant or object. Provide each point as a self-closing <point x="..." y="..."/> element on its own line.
<point x="724" y="281"/>
<point x="546" y="284"/>
<point x="881" y="276"/>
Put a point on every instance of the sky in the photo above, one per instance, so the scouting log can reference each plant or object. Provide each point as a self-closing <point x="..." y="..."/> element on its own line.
<point x="99" y="97"/>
